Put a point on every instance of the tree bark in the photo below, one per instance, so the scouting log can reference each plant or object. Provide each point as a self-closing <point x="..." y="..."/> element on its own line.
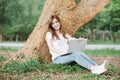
<point x="73" y="15"/>
<point x="0" y="37"/>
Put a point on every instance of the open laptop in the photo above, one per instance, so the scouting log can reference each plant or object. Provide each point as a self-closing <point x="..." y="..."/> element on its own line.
<point x="76" y="45"/>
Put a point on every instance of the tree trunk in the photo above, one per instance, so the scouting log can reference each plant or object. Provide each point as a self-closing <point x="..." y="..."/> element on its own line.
<point x="73" y="15"/>
<point x="0" y="37"/>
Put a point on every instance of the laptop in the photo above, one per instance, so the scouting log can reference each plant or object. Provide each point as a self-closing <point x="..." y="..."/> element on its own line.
<point x="76" y="45"/>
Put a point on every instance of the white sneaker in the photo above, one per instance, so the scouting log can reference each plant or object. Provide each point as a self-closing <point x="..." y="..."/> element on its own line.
<point x="99" y="70"/>
<point x="105" y="63"/>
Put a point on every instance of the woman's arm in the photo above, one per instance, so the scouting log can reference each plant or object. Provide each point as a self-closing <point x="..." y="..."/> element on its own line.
<point x="72" y="38"/>
<point x="60" y="52"/>
<point x="69" y="37"/>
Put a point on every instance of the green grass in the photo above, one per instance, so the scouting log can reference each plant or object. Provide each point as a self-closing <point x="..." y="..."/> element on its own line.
<point x="33" y="69"/>
<point x="2" y="58"/>
<point x="32" y="64"/>
<point x="104" y="42"/>
<point x="13" y="41"/>
<point x="104" y="52"/>
<point x="8" y="49"/>
<point x="20" y="67"/>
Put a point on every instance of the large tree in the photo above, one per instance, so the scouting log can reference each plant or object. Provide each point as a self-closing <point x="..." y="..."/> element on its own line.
<point x="73" y="15"/>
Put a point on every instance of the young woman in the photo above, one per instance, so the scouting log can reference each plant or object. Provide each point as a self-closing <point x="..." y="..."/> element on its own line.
<point x="57" y="41"/>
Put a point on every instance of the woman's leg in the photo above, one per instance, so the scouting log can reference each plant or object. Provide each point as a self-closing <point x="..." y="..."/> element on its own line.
<point x="88" y="58"/>
<point x="64" y="59"/>
<point x="82" y="61"/>
<point x="74" y="56"/>
<point x="78" y="58"/>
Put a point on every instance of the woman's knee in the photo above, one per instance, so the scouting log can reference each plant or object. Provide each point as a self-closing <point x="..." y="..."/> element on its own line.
<point x="76" y="53"/>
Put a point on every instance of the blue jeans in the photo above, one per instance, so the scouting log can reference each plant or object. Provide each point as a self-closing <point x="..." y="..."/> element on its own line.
<point x="79" y="57"/>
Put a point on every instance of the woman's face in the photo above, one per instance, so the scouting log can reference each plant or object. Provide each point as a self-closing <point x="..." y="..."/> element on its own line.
<point x="55" y="24"/>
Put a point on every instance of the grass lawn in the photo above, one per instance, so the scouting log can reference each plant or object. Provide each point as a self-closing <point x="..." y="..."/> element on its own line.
<point x="103" y="42"/>
<point x="34" y="69"/>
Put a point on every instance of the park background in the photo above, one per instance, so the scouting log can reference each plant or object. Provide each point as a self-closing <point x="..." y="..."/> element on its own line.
<point x="18" y="19"/>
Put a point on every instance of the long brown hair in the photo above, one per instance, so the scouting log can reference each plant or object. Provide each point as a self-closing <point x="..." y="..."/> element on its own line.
<point x="52" y="30"/>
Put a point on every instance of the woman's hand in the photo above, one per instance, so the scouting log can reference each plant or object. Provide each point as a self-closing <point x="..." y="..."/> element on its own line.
<point x="81" y="39"/>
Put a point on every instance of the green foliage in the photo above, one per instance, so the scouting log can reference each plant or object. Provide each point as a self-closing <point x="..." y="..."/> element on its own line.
<point x="107" y="19"/>
<point x="14" y="67"/>
<point x="2" y="58"/>
<point x="18" y="17"/>
<point x="10" y="12"/>
<point x="115" y="17"/>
